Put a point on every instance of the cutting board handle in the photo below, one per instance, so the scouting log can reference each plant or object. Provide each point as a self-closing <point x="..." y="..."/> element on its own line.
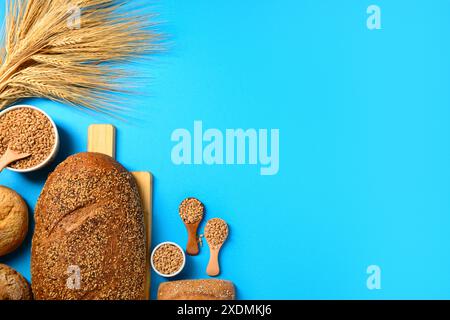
<point x="102" y="139"/>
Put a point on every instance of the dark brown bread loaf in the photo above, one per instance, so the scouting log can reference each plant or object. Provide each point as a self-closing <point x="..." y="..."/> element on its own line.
<point x="197" y="290"/>
<point x="13" y="286"/>
<point x="89" y="241"/>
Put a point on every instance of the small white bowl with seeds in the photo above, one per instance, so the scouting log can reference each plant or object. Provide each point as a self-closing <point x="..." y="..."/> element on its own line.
<point x="168" y="259"/>
<point x="28" y="129"/>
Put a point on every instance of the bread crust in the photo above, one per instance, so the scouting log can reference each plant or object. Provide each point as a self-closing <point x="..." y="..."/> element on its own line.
<point x="13" y="220"/>
<point x="89" y="240"/>
<point x="13" y="286"/>
<point x="210" y="289"/>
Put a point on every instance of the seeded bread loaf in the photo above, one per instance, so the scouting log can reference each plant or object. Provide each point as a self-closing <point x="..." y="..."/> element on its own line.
<point x="197" y="290"/>
<point x="89" y="241"/>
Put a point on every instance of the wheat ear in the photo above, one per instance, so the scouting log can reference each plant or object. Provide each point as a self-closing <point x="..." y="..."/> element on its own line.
<point x="70" y="50"/>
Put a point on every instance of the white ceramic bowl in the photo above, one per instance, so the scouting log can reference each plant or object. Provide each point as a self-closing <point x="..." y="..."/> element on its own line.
<point x="182" y="266"/>
<point x="55" y="150"/>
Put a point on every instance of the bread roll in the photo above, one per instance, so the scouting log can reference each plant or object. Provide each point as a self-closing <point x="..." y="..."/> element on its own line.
<point x="197" y="290"/>
<point x="13" y="220"/>
<point x="13" y="286"/>
<point x="89" y="242"/>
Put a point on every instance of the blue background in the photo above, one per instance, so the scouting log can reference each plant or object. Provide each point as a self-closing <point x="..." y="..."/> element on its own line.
<point x="365" y="143"/>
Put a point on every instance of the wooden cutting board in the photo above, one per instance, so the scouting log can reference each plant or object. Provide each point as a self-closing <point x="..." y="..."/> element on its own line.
<point x="102" y="139"/>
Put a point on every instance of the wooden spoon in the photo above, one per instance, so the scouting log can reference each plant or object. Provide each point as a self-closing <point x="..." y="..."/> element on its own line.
<point x="213" y="228"/>
<point x="11" y="156"/>
<point x="192" y="212"/>
<point x="213" y="269"/>
<point x="192" y="244"/>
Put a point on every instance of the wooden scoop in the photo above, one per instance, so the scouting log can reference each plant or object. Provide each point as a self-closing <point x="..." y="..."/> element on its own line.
<point x="214" y="227"/>
<point x="213" y="269"/>
<point x="11" y="156"/>
<point x="192" y="245"/>
<point x="192" y="212"/>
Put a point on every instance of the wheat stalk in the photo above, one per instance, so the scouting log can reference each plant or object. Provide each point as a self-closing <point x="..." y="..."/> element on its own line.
<point x="48" y="52"/>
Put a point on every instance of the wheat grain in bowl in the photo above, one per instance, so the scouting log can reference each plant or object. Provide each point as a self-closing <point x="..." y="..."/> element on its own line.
<point x="168" y="259"/>
<point x="27" y="129"/>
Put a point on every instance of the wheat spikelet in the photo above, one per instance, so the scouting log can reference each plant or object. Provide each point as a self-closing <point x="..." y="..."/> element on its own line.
<point x="43" y="55"/>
